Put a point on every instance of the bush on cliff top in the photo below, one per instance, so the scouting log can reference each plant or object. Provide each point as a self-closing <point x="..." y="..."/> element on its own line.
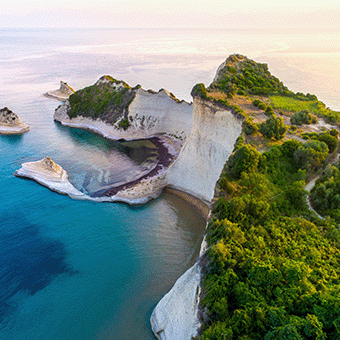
<point x="107" y="101"/>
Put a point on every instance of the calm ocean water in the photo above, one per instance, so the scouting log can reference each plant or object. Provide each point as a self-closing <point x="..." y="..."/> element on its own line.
<point x="82" y="270"/>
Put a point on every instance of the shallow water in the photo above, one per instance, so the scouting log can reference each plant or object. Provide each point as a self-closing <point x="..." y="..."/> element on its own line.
<point x="86" y="270"/>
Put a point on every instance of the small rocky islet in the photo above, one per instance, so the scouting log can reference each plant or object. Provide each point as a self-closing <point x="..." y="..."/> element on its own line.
<point x="10" y="123"/>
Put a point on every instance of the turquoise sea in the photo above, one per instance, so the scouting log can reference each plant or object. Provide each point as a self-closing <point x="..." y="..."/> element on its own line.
<point x="83" y="270"/>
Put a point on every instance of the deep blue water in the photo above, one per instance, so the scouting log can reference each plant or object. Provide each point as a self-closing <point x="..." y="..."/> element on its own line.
<point x="84" y="270"/>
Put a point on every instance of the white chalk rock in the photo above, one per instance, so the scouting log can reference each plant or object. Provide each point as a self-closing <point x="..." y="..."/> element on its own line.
<point x="212" y="138"/>
<point x="175" y="316"/>
<point x="53" y="176"/>
<point x="62" y="93"/>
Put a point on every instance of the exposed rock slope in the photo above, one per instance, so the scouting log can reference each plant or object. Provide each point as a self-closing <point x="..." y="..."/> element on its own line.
<point x="62" y="94"/>
<point x="175" y="316"/>
<point x="10" y="123"/>
<point x="212" y="138"/>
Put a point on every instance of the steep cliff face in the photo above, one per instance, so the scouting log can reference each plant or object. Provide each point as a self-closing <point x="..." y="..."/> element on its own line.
<point x="212" y="138"/>
<point x="157" y="113"/>
<point x="129" y="113"/>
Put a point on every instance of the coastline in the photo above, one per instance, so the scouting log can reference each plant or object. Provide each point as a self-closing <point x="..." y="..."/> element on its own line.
<point x="202" y="207"/>
<point x="139" y="191"/>
<point x="13" y="130"/>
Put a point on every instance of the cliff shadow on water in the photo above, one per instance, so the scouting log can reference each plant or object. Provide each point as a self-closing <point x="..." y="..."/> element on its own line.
<point x="95" y="163"/>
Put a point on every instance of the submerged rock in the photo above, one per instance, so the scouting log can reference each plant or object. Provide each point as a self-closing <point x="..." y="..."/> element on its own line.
<point x="10" y="123"/>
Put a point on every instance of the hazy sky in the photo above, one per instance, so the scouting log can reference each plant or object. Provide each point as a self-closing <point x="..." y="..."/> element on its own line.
<point x="170" y="14"/>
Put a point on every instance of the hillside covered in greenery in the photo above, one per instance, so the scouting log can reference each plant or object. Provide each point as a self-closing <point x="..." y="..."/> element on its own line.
<point x="272" y="267"/>
<point x="242" y="81"/>
<point x="107" y="100"/>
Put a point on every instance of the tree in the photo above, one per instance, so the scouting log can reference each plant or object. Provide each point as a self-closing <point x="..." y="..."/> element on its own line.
<point x="273" y="127"/>
<point x="245" y="159"/>
<point x="311" y="154"/>
<point x="303" y="117"/>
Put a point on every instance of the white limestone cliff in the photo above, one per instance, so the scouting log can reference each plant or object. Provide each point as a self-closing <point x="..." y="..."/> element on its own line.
<point x="10" y="123"/>
<point x="211" y="141"/>
<point x="149" y="114"/>
<point x="175" y="316"/>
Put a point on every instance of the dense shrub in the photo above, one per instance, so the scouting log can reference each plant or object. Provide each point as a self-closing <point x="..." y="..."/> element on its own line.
<point x="273" y="127"/>
<point x="105" y="101"/>
<point x="249" y="127"/>
<point x="269" y="111"/>
<point x="331" y="141"/>
<point x="124" y="123"/>
<point x="311" y="154"/>
<point x="199" y="90"/>
<point x="244" y="159"/>
<point x="325" y="196"/>
<point x="303" y="117"/>
<point x="334" y="132"/>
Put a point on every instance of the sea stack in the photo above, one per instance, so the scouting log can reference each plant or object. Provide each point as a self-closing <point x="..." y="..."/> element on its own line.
<point x="10" y="123"/>
<point x="51" y="175"/>
<point x="62" y="93"/>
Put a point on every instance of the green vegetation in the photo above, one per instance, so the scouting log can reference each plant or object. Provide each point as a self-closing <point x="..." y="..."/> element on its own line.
<point x="272" y="269"/>
<point x="261" y="105"/>
<point x="124" y="123"/>
<point x="273" y="127"/>
<point x="327" y="137"/>
<point x="200" y="91"/>
<point x="325" y="196"/>
<point x="242" y="75"/>
<point x="303" y="117"/>
<point x="249" y="127"/>
<point x="312" y="105"/>
<point x="108" y="100"/>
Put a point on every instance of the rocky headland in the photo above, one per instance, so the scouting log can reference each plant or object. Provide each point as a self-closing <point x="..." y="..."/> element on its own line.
<point x="195" y="140"/>
<point x="10" y="123"/>
<point x="62" y="94"/>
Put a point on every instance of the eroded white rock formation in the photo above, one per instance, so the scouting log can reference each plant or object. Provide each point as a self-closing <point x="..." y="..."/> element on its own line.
<point x="211" y="141"/>
<point x="10" y="123"/>
<point x="62" y="93"/>
<point x="51" y="175"/>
